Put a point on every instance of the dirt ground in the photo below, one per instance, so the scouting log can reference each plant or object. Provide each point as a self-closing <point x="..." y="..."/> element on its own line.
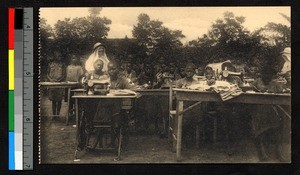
<point x="58" y="147"/>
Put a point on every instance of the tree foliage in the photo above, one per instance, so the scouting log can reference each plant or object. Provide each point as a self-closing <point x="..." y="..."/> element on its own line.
<point x="76" y="36"/>
<point x="155" y="38"/>
<point x="229" y="39"/>
<point x="275" y="34"/>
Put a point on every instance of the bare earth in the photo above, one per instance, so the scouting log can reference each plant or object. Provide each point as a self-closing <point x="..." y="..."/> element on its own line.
<point x="58" y="147"/>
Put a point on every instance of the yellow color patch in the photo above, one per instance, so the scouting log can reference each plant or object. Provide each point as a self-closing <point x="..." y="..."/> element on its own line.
<point x="11" y="69"/>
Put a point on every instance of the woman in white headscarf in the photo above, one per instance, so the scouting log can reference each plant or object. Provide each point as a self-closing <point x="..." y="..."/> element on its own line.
<point x="98" y="53"/>
<point x="286" y="55"/>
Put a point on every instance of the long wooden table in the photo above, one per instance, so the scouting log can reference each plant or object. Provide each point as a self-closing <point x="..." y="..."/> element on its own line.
<point x="61" y="85"/>
<point x="200" y="96"/>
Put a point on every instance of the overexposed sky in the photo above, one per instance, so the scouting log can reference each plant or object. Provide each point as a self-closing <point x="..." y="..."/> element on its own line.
<point x="192" y="21"/>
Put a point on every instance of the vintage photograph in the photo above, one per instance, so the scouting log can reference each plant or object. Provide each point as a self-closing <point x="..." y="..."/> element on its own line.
<point x="125" y="85"/>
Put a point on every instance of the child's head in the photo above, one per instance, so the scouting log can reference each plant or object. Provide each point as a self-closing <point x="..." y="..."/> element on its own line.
<point x="98" y="65"/>
<point x="113" y="69"/>
<point x="73" y="60"/>
<point x="172" y="67"/>
<point x="201" y="70"/>
<point x="190" y="70"/>
<point x="57" y="56"/>
<point x="128" y="66"/>
<point x="148" y="68"/>
<point x="182" y="71"/>
<point x="209" y="73"/>
<point x="165" y="68"/>
<point x="253" y="71"/>
<point x="161" y="60"/>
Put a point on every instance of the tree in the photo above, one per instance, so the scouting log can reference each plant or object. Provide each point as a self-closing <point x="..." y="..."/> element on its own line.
<point x="46" y="44"/>
<point x="228" y="39"/>
<point x="46" y="35"/>
<point x="78" y="35"/>
<point x="95" y="11"/>
<point x="155" y="38"/>
<point x="275" y="34"/>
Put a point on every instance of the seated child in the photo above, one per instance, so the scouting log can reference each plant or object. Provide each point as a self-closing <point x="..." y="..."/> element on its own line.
<point x="189" y="79"/>
<point x="266" y="121"/>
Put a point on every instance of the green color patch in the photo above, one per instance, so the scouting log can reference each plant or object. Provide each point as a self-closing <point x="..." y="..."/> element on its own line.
<point x="11" y="112"/>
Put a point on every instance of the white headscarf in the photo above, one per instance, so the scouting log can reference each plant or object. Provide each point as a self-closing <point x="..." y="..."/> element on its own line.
<point x="89" y="64"/>
<point x="286" y="54"/>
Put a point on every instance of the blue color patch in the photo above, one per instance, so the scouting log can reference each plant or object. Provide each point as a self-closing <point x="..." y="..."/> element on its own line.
<point x="11" y="151"/>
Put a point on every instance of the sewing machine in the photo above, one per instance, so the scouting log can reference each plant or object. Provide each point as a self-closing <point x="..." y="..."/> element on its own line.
<point x="97" y="87"/>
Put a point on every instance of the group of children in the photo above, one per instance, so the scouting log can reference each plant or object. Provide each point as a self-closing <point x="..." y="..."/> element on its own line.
<point x="162" y="74"/>
<point x="57" y="72"/>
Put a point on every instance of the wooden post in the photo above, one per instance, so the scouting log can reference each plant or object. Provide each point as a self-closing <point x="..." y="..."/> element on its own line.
<point x="179" y="129"/>
<point x="77" y="113"/>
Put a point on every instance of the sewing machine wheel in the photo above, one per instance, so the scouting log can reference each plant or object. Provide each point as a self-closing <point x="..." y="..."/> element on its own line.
<point x="90" y="83"/>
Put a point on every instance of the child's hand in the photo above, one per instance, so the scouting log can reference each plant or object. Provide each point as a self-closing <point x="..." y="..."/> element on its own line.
<point x="211" y="82"/>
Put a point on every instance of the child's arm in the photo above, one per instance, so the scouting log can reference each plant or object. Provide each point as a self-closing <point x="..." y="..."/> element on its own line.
<point x="48" y="74"/>
<point x="63" y="74"/>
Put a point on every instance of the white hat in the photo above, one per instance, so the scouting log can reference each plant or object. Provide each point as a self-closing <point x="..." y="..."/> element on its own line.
<point x="97" y="45"/>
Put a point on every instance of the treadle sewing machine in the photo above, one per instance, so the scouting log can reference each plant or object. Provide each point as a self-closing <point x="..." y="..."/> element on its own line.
<point x="106" y="135"/>
<point x="96" y="87"/>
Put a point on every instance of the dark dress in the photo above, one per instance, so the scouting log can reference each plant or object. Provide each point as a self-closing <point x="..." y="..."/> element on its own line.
<point x="56" y="73"/>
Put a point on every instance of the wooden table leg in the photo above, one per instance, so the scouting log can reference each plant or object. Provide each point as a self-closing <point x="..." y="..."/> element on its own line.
<point x="77" y="129"/>
<point x="179" y="129"/>
<point x="68" y="111"/>
<point x="77" y="113"/>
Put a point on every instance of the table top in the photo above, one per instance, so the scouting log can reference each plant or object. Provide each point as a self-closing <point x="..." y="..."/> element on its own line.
<point x="163" y="92"/>
<point x="245" y="93"/>
<point x="59" y="84"/>
<point x="114" y="94"/>
<point x="141" y="91"/>
<point x="250" y="98"/>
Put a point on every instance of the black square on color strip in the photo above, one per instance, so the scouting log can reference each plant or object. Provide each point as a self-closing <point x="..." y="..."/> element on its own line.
<point x="18" y="18"/>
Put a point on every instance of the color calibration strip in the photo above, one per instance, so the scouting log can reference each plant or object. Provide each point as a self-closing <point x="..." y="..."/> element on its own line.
<point x="11" y="84"/>
<point x="20" y="67"/>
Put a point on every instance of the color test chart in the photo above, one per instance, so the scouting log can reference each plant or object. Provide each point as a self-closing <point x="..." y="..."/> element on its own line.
<point x="20" y="67"/>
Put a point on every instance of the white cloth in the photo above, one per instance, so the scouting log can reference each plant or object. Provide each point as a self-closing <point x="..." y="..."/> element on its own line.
<point x="287" y="65"/>
<point x="89" y="64"/>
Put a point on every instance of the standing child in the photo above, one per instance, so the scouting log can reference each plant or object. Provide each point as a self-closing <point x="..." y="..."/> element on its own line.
<point x="74" y="71"/>
<point x="56" y="73"/>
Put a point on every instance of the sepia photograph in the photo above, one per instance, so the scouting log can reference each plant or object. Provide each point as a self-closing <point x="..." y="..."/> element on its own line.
<point x="127" y="85"/>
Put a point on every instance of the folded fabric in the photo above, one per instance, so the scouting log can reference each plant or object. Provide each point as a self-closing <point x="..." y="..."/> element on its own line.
<point x="123" y="92"/>
<point x="203" y="86"/>
<point x="228" y="92"/>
